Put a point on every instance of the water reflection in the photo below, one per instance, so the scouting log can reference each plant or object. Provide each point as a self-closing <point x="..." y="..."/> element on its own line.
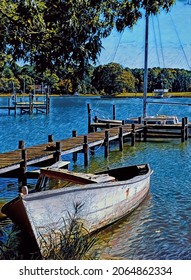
<point x="160" y="228"/>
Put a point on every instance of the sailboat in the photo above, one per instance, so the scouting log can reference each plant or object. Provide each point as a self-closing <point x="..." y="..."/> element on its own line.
<point x="150" y="119"/>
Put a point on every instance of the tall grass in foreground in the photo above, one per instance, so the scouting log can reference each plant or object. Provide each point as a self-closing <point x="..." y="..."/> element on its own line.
<point x="9" y="249"/>
<point x="72" y="243"/>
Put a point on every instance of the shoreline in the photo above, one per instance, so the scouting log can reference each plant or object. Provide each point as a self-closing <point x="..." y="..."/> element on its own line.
<point x="122" y="95"/>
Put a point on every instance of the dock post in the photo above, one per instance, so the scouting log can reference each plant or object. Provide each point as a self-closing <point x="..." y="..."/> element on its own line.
<point x="30" y="103"/>
<point x="121" y="138"/>
<point x="47" y="102"/>
<point x="89" y="118"/>
<point x="145" y="132"/>
<point x="186" y="128"/>
<point x="50" y="138"/>
<point x="106" y="144"/>
<point x="114" y="112"/>
<point x="15" y="107"/>
<point x="74" y="134"/>
<point x="21" y="144"/>
<point x="9" y="106"/>
<point x="133" y="135"/>
<point x="96" y="121"/>
<point x="57" y="154"/>
<point x="140" y="122"/>
<point x="22" y="179"/>
<point x="92" y="151"/>
<point x="183" y="130"/>
<point x="85" y="150"/>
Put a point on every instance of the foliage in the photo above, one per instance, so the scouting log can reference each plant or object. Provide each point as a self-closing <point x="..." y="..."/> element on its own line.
<point x="109" y="79"/>
<point x="54" y="34"/>
<point x="112" y="78"/>
<point x="176" y="80"/>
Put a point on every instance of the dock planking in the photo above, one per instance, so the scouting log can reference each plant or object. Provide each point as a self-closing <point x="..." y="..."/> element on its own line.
<point x="12" y="160"/>
<point x="16" y="162"/>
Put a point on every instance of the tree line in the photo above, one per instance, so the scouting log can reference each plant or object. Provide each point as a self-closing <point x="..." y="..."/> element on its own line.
<point x="108" y="79"/>
<point x="61" y="39"/>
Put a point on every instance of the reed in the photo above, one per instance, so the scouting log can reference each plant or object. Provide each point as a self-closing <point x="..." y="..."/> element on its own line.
<point x="9" y="248"/>
<point x="72" y="243"/>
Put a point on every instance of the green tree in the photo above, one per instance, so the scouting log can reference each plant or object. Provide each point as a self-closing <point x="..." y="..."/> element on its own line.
<point x="182" y="81"/>
<point x="112" y="78"/>
<point x="51" y="34"/>
<point x="139" y="77"/>
<point x="126" y="81"/>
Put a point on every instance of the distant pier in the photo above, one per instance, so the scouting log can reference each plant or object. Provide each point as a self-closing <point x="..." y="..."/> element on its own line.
<point x="27" y="104"/>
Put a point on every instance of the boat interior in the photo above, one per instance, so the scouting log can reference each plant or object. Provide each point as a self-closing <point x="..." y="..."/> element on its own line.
<point x="59" y="178"/>
<point x="126" y="173"/>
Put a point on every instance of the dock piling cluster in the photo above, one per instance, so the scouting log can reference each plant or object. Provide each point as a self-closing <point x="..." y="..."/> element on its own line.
<point x="27" y="104"/>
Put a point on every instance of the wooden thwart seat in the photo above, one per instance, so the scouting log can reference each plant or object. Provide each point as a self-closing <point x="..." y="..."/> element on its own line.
<point x="76" y="177"/>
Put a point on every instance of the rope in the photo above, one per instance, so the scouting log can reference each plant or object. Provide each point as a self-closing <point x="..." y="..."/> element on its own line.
<point x="97" y="112"/>
<point x="182" y="48"/>
<point x="117" y="46"/>
<point x="97" y="149"/>
<point x="155" y="41"/>
<point x="160" y="40"/>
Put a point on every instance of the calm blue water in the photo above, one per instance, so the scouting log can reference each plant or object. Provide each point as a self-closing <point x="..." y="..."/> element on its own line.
<point x="161" y="227"/>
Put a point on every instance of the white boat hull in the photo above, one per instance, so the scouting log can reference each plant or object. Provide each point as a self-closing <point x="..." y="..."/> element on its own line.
<point x="100" y="205"/>
<point x="48" y="212"/>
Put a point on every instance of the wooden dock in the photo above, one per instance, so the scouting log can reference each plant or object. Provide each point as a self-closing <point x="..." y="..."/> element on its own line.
<point x="27" y="104"/>
<point x="15" y="163"/>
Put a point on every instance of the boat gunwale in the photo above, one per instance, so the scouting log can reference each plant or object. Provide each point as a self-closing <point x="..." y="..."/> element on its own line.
<point x="86" y="187"/>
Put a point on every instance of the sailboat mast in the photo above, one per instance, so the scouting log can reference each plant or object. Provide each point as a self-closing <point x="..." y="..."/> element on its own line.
<point x="146" y="65"/>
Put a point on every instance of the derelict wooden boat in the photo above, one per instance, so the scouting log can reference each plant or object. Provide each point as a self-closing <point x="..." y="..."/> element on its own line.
<point x="104" y="197"/>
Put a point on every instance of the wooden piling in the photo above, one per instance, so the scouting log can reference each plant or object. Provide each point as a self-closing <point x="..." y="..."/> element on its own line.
<point x="133" y="134"/>
<point x="50" y="138"/>
<point x="94" y="129"/>
<point x="47" y="102"/>
<point x="30" y="103"/>
<point x="9" y="105"/>
<point x="74" y="155"/>
<point x="57" y="154"/>
<point x="183" y="130"/>
<point x="121" y="138"/>
<point x="23" y="168"/>
<point x="89" y="118"/>
<point x="140" y="133"/>
<point x="186" y="128"/>
<point x="21" y="144"/>
<point x="92" y="151"/>
<point x="106" y="144"/>
<point x="114" y="112"/>
<point x="145" y="132"/>
<point x="85" y="150"/>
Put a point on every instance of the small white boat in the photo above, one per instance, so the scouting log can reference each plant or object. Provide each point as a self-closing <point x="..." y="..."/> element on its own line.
<point x="104" y="198"/>
<point x="158" y="119"/>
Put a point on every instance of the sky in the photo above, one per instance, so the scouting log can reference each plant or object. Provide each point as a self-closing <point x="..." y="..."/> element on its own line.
<point x="169" y="41"/>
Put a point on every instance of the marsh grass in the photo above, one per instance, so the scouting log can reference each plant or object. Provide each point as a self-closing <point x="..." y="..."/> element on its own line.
<point x="73" y="242"/>
<point x="9" y="249"/>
